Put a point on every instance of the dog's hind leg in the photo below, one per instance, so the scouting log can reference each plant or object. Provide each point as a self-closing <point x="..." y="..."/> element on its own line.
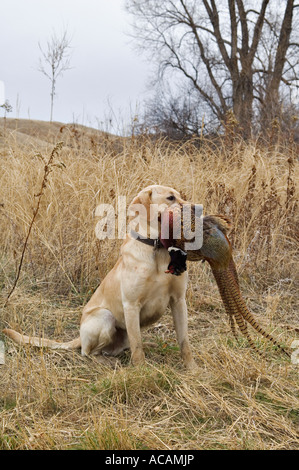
<point x="119" y="343"/>
<point x="97" y="332"/>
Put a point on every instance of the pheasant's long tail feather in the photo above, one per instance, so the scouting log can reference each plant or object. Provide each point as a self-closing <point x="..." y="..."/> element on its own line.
<point x="223" y="279"/>
<point x="235" y="305"/>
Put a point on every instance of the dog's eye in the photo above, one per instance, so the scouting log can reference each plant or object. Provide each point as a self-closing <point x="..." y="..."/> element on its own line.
<point x="171" y="198"/>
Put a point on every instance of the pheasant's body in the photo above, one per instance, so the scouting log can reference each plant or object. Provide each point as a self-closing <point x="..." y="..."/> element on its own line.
<point x="217" y="251"/>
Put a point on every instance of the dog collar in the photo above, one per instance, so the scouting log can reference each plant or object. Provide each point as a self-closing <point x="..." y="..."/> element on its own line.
<point x="154" y="242"/>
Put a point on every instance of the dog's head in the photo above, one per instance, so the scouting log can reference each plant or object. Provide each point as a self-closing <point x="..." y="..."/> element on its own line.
<point x="149" y="204"/>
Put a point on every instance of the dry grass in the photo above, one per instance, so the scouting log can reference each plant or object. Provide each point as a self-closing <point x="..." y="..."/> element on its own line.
<point x="59" y="400"/>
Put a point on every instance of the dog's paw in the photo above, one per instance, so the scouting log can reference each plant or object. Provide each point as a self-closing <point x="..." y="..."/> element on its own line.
<point x="191" y="366"/>
<point x="138" y="357"/>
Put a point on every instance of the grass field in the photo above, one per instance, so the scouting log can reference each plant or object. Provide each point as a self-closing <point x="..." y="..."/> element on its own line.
<point x="60" y="400"/>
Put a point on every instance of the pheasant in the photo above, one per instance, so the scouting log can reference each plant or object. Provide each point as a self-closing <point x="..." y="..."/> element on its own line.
<point x="216" y="249"/>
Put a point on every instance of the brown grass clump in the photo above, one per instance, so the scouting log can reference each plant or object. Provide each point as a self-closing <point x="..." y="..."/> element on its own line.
<point x="59" y="400"/>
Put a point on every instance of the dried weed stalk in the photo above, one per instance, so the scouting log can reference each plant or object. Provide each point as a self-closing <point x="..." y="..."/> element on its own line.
<point x="48" y="168"/>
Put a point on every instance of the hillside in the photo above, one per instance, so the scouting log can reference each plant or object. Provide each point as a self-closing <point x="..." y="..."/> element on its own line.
<point x="41" y="135"/>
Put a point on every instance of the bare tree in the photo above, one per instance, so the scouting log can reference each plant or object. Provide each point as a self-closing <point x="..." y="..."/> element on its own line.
<point x="7" y="107"/>
<point x="173" y="116"/>
<point x="55" y="60"/>
<point x="233" y="54"/>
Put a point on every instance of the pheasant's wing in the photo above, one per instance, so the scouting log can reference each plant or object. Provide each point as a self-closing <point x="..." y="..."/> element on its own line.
<point x="175" y="232"/>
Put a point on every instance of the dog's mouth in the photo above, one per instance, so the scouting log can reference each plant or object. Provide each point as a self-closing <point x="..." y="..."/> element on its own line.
<point x="172" y="206"/>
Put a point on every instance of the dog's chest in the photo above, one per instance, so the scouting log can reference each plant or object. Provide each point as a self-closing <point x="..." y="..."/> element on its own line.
<point x="156" y="298"/>
<point x="150" y="284"/>
<point x="161" y="260"/>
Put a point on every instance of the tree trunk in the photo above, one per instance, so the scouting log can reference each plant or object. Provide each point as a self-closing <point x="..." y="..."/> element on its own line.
<point x="243" y="102"/>
<point x="52" y="98"/>
<point x="271" y="105"/>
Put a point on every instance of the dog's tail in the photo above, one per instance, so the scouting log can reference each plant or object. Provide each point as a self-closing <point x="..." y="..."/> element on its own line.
<point x="41" y="342"/>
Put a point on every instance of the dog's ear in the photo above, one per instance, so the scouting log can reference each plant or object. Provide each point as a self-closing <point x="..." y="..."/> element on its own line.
<point x="143" y="198"/>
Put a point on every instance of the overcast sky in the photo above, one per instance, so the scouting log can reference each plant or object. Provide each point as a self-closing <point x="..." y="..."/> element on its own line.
<point x="107" y="73"/>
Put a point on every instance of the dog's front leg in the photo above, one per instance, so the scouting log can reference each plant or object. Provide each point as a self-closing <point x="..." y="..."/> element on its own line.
<point x="179" y="314"/>
<point x="132" y="319"/>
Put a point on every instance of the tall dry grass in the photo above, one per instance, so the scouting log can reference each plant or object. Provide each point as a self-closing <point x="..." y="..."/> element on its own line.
<point x="56" y="400"/>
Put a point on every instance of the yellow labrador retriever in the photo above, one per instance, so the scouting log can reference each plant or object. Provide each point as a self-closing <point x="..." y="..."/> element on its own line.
<point x="134" y="294"/>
